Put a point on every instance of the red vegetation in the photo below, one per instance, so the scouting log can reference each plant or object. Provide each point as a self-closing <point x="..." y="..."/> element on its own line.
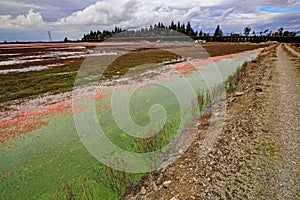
<point x="187" y="68"/>
<point x="28" y="121"/>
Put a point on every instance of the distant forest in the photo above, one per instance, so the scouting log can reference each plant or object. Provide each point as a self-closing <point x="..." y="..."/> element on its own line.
<point x="172" y="30"/>
<point x="152" y="31"/>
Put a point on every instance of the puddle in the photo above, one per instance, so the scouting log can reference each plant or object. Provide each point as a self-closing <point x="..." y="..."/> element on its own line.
<point x="30" y="69"/>
<point x="54" y="55"/>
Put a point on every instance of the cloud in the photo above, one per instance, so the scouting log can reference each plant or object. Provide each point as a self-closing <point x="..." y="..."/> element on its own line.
<point x="280" y="3"/>
<point x="205" y="14"/>
<point x="14" y="4"/>
<point x="290" y="21"/>
<point x="102" y="13"/>
<point x="226" y="14"/>
<point x="260" y="21"/>
<point x="73" y="19"/>
<point x="130" y="14"/>
<point x="32" y="20"/>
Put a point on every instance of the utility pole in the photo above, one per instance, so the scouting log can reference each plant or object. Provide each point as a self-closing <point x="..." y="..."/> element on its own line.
<point x="50" y="38"/>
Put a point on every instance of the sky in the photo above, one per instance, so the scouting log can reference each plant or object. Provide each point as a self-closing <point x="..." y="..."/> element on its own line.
<point x="30" y="20"/>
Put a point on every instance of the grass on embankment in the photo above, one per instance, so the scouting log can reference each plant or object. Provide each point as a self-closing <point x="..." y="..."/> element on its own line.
<point x="294" y="58"/>
<point x="221" y="49"/>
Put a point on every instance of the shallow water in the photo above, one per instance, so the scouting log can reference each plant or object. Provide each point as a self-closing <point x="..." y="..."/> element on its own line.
<point x="46" y="56"/>
<point x="30" y="69"/>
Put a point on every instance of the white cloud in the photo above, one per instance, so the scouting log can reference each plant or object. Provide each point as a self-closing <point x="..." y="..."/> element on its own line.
<point x="130" y="14"/>
<point x="204" y="14"/>
<point x="135" y="13"/>
<point x="257" y="22"/>
<point x="226" y="13"/>
<point x="9" y="3"/>
<point x="230" y="14"/>
<point x="102" y="13"/>
<point x="32" y="20"/>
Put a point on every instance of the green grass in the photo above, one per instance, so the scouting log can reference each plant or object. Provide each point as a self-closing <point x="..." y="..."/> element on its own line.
<point x="136" y="58"/>
<point x="221" y="49"/>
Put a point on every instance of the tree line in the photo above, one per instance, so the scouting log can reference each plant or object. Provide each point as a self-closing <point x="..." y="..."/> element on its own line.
<point x="247" y="32"/>
<point x="152" y="31"/>
<point x="161" y="30"/>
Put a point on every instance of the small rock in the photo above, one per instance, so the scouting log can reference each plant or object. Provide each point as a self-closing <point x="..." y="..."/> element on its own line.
<point x="174" y="198"/>
<point x="166" y="184"/>
<point x="154" y="186"/>
<point x="238" y="94"/>
<point x="143" y="191"/>
<point x="181" y="152"/>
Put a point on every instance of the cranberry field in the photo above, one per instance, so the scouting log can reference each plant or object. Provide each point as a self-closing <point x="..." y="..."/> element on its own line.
<point x="52" y="95"/>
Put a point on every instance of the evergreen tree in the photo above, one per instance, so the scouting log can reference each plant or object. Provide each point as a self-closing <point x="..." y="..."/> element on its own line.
<point x="218" y="32"/>
<point x="182" y="28"/>
<point x="247" y="31"/>
<point x="173" y="26"/>
<point x="201" y="33"/>
<point x="189" y="30"/>
<point x="152" y="31"/>
<point x="178" y="26"/>
<point x="280" y="31"/>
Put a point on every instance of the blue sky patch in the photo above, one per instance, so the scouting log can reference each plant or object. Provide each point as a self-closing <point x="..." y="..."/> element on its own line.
<point x="274" y="10"/>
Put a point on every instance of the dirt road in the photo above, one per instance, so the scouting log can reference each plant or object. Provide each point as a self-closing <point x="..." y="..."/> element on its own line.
<point x="257" y="153"/>
<point x="285" y="181"/>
